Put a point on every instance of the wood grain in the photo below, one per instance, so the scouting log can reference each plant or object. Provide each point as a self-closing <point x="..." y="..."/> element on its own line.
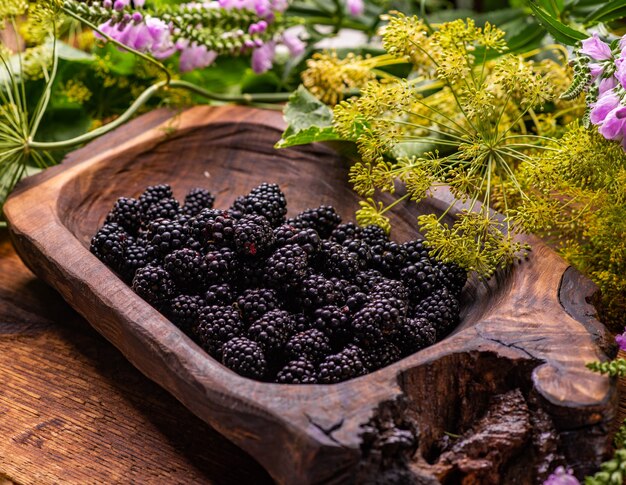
<point x="518" y="348"/>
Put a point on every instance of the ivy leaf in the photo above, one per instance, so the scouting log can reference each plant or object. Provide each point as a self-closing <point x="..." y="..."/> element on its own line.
<point x="556" y="28"/>
<point x="308" y="119"/>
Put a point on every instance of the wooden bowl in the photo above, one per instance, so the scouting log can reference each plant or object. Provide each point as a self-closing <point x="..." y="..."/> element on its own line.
<point x="505" y="396"/>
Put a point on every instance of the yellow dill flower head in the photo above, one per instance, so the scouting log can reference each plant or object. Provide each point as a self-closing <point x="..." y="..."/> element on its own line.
<point x="327" y="76"/>
<point x="76" y="91"/>
<point x="407" y="37"/>
<point x="36" y="60"/>
<point x="12" y="8"/>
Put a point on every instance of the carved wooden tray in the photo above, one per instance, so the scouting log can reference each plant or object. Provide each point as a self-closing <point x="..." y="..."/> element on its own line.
<point x="505" y="397"/>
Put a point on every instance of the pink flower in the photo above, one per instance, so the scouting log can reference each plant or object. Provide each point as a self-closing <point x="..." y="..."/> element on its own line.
<point x="596" y="49"/>
<point x="355" y="7"/>
<point x="562" y="477"/>
<point x="195" y="56"/>
<point x="605" y="104"/>
<point x="606" y="84"/>
<point x="263" y="57"/>
<point x="295" y="45"/>
<point x="621" y="340"/>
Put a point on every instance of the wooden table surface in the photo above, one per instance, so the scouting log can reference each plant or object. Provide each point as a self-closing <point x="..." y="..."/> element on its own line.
<point x="74" y="410"/>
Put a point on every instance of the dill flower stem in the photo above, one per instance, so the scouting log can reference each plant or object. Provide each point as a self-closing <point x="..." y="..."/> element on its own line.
<point x="42" y="104"/>
<point x="395" y="202"/>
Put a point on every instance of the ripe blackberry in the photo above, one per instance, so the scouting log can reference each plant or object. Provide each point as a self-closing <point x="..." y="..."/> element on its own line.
<point x="165" y="236"/>
<point x="373" y="235"/>
<point x="215" y="326"/>
<point x="135" y="257"/>
<point x="420" y="277"/>
<point x="187" y="268"/>
<point x="302" y="322"/>
<point x="127" y="213"/>
<point x="334" y="322"/>
<point x="379" y="357"/>
<point x="267" y="200"/>
<point x="344" y="288"/>
<point x="255" y="303"/>
<point x="153" y="194"/>
<point x="183" y="311"/>
<point x="389" y="258"/>
<point x="253" y="236"/>
<point x="441" y="309"/>
<point x="307" y="239"/>
<point x="376" y="322"/>
<point x="109" y="244"/>
<point x="221" y="265"/>
<point x="245" y="357"/>
<point x="219" y="294"/>
<point x="196" y="200"/>
<point x="238" y="209"/>
<point x="334" y="260"/>
<point x="154" y="284"/>
<point x="388" y="288"/>
<point x="316" y="291"/>
<point x="298" y="371"/>
<point x="452" y="276"/>
<point x="312" y="344"/>
<point x="251" y="273"/>
<point x="415" y="334"/>
<point x="272" y="331"/>
<point x="341" y="366"/>
<point x="344" y="232"/>
<point x="367" y="279"/>
<point x="286" y="266"/>
<point x="212" y="227"/>
<point x="361" y="249"/>
<point x="162" y="209"/>
<point x="415" y="250"/>
<point x="357" y="301"/>
<point x="324" y="219"/>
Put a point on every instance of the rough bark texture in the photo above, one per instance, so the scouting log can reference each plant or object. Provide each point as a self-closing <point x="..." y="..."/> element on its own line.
<point x="506" y="395"/>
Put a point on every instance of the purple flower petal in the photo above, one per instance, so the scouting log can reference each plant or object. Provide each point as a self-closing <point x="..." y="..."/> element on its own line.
<point x="263" y="57"/>
<point x="606" y="84"/>
<point x="621" y="338"/>
<point x="562" y="477"/>
<point x="295" y="45"/>
<point x="355" y="7"/>
<point x="605" y="104"/>
<point x="596" y="49"/>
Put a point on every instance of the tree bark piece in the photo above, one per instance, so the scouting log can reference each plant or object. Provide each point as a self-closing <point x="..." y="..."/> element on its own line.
<point x="519" y="344"/>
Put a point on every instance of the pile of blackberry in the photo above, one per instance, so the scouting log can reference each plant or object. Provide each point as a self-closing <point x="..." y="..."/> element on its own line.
<point x="297" y="301"/>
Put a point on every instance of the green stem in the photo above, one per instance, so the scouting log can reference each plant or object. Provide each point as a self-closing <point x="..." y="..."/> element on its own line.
<point x="239" y="98"/>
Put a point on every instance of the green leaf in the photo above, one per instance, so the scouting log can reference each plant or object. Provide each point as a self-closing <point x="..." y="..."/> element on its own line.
<point x="556" y="28"/>
<point x="308" y="119"/>
<point x="607" y="12"/>
<point x="553" y="7"/>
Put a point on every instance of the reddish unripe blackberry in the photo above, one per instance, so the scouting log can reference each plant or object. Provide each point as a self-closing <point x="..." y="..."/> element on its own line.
<point x="212" y="227"/>
<point x="135" y="257"/>
<point x="286" y="266"/>
<point x="344" y="232"/>
<point x="187" y="268"/>
<point x="420" y="277"/>
<point x="361" y="249"/>
<point x="415" y="250"/>
<point x="109" y="244"/>
<point x="216" y="325"/>
<point x="441" y="309"/>
<point x="389" y="258"/>
<point x="379" y="357"/>
<point x="341" y="366"/>
<point x="127" y="213"/>
<point x="373" y="235"/>
<point x="312" y="344"/>
<point x="334" y="322"/>
<point x="165" y="236"/>
<point x="152" y="195"/>
<point x="415" y="334"/>
<point x="298" y="371"/>
<point x="183" y="311"/>
<point x="254" y="303"/>
<point x="266" y="200"/>
<point x="253" y="236"/>
<point x="245" y="357"/>
<point x="376" y="322"/>
<point x="316" y="291"/>
<point x="335" y="260"/>
<point x="196" y="200"/>
<point x="324" y="219"/>
<point x="221" y="265"/>
<point x="162" y="209"/>
<point x="219" y="294"/>
<point x="154" y="284"/>
<point x="272" y="331"/>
